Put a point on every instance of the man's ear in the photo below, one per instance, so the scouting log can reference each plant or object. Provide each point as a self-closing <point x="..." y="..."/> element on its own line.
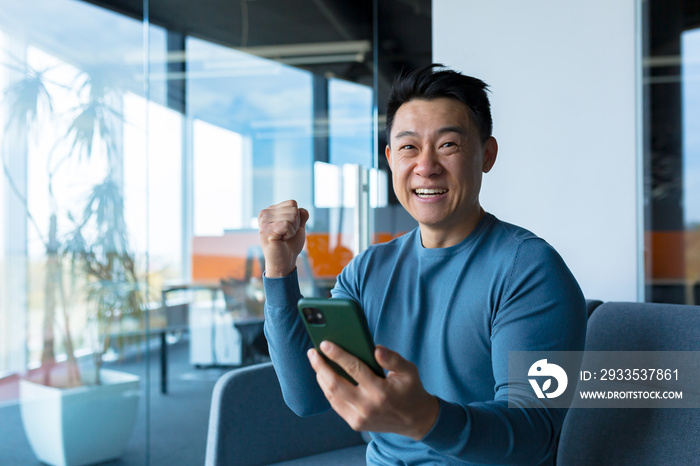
<point x="490" y="152"/>
<point x="387" y="151"/>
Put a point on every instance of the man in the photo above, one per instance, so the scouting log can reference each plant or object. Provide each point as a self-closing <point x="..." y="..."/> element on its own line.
<point x="445" y="302"/>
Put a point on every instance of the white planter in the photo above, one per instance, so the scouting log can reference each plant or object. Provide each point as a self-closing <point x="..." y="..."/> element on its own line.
<point x="83" y="425"/>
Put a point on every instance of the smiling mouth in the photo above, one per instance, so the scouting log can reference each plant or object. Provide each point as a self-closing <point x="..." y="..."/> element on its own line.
<point x="425" y="193"/>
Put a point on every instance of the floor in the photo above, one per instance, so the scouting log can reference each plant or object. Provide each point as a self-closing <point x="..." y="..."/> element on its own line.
<point x="178" y="420"/>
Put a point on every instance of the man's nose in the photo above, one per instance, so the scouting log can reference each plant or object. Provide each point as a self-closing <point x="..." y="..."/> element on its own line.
<point x="428" y="163"/>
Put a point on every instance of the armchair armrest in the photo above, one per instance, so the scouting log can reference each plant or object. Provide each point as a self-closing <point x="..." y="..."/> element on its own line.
<point x="250" y="424"/>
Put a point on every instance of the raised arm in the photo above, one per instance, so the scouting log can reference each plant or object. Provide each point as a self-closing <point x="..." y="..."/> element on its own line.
<point x="282" y="237"/>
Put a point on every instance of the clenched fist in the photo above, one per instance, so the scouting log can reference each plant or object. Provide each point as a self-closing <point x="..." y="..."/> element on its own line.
<point x="282" y="236"/>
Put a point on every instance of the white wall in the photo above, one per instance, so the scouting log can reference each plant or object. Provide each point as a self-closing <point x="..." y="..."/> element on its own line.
<point x="563" y="93"/>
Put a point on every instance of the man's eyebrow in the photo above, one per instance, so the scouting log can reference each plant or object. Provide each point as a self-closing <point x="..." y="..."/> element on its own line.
<point x="404" y="134"/>
<point x="447" y="129"/>
<point x="452" y="129"/>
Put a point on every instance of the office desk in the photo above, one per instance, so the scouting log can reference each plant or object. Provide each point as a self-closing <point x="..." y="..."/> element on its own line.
<point x="180" y="324"/>
<point x="248" y="327"/>
<point x="163" y="348"/>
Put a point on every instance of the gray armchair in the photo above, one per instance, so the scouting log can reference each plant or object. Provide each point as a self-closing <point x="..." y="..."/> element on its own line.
<point x="250" y="424"/>
<point x="592" y="305"/>
<point x="635" y="436"/>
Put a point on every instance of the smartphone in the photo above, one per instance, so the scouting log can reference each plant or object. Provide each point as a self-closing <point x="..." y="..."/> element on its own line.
<point x="342" y="322"/>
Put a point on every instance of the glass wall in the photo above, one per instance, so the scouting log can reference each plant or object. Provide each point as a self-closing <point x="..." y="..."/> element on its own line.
<point x="672" y="151"/>
<point x="139" y="142"/>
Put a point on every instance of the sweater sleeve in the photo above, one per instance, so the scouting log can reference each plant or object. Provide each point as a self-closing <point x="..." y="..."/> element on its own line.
<point x="541" y="308"/>
<point x="288" y="343"/>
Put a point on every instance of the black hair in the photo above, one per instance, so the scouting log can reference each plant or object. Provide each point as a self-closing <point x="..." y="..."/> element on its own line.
<point x="436" y="81"/>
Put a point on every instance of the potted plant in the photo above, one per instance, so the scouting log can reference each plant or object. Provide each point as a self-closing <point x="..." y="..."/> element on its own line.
<point x="74" y="416"/>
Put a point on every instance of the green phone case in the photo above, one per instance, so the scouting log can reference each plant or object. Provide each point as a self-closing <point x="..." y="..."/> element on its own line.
<point x="346" y="326"/>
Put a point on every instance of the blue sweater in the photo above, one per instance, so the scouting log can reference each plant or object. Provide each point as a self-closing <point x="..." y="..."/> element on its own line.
<point x="454" y="312"/>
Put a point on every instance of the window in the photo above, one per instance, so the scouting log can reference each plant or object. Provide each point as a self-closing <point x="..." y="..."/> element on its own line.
<point x="672" y="152"/>
<point x="170" y="126"/>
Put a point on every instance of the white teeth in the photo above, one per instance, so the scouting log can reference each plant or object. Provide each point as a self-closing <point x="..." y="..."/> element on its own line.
<point x="430" y="191"/>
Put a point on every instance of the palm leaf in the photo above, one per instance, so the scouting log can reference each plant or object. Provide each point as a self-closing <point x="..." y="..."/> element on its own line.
<point x="95" y="118"/>
<point x="25" y="98"/>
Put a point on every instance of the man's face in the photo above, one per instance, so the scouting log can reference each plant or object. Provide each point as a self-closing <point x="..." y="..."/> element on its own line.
<point x="437" y="160"/>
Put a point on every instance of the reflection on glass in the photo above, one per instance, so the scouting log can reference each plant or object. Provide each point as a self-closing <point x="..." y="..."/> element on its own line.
<point x="255" y="143"/>
<point x="5" y="340"/>
<point x="690" y="47"/>
<point x="350" y="123"/>
<point x="269" y="105"/>
<point x="219" y="171"/>
<point x="672" y="153"/>
<point x="119" y="178"/>
<point x="78" y="285"/>
<point x="154" y="160"/>
<point x="252" y="147"/>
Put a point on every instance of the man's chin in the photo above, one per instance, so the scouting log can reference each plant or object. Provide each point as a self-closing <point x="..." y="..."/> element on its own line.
<point x="430" y="215"/>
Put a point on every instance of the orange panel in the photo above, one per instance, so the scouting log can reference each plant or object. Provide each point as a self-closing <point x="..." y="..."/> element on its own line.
<point x="667" y="254"/>
<point x="326" y="263"/>
<point x="692" y="255"/>
<point x="207" y="268"/>
<point x="215" y="257"/>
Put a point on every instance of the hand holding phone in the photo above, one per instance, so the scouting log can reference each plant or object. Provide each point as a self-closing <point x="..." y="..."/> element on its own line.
<point x="342" y="322"/>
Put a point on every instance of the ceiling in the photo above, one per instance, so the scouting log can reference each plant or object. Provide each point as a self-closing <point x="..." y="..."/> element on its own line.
<point x="403" y="31"/>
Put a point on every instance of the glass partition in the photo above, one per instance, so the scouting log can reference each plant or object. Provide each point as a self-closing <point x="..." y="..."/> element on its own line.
<point x="672" y="151"/>
<point x="75" y="251"/>
<point x="139" y="142"/>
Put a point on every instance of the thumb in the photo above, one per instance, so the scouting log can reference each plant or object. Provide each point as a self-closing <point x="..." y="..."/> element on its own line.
<point x="303" y="217"/>
<point x="391" y="360"/>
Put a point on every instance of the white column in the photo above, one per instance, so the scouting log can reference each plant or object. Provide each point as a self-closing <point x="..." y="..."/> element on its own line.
<point x="564" y="93"/>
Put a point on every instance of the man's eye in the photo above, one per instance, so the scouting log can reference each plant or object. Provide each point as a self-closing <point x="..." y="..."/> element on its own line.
<point x="407" y="147"/>
<point x="449" y="147"/>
